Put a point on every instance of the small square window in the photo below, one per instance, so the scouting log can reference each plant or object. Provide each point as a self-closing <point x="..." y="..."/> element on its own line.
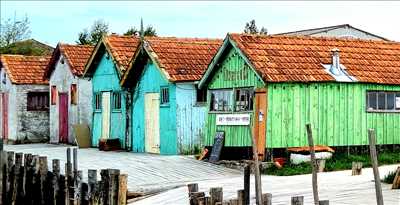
<point x="97" y="101"/>
<point x="164" y="96"/>
<point x="116" y="99"/>
<point x="201" y="95"/>
<point x="383" y="101"/>
<point x="38" y="101"/>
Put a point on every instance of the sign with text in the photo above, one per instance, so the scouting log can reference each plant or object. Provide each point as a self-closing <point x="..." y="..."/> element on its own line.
<point x="233" y="119"/>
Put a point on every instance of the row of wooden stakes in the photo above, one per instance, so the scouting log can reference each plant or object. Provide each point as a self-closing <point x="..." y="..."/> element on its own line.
<point x="27" y="180"/>
<point x="216" y="197"/>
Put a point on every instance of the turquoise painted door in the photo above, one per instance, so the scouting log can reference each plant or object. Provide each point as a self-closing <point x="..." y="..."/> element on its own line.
<point x="152" y="113"/>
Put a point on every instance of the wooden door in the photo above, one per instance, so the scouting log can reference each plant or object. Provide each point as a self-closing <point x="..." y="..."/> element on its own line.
<point x="152" y="122"/>
<point x="4" y="123"/>
<point x="106" y="114"/>
<point x="260" y="121"/>
<point x="63" y="117"/>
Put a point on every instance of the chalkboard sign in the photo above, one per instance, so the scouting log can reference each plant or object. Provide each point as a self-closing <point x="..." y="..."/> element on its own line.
<point x="217" y="147"/>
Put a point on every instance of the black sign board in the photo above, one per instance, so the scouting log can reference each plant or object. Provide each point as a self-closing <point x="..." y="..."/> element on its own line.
<point x="217" y="147"/>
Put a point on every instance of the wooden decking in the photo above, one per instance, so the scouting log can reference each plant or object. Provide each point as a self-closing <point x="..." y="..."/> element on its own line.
<point x="146" y="172"/>
<point x="340" y="188"/>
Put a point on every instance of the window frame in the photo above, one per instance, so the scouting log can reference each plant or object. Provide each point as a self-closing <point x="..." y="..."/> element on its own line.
<point x="378" y="110"/>
<point x="252" y="97"/>
<point x="113" y="101"/>
<point x="74" y="94"/>
<point x="204" y="95"/>
<point x="162" y="97"/>
<point x="46" y="100"/>
<point x="98" y="100"/>
<point x="233" y="100"/>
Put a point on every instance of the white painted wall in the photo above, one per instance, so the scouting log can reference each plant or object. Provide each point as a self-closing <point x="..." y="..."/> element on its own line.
<point x="62" y="78"/>
<point x="346" y="32"/>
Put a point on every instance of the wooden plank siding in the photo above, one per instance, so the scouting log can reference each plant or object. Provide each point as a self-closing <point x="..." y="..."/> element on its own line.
<point x="150" y="82"/>
<point x="106" y="79"/>
<point x="336" y="110"/>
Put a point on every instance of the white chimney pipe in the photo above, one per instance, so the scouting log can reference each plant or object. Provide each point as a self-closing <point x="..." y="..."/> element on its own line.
<point x="335" y="67"/>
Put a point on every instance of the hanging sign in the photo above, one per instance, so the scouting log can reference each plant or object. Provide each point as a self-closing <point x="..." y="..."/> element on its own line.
<point x="397" y="102"/>
<point x="233" y="119"/>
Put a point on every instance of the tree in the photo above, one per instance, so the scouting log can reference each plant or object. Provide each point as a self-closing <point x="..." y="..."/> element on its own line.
<point x="251" y="28"/>
<point x="149" y="31"/>
<point x="14" y="30"/>
<point x="97" y="30"/>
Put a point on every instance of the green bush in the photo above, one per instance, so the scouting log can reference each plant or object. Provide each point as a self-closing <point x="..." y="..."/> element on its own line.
<point x="389" y="178"/>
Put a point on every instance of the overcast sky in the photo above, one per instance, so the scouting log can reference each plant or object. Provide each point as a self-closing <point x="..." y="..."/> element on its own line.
<point x="52" y="22"/>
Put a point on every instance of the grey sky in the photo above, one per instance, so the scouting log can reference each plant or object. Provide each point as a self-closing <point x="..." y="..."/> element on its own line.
<point x="52" y="22"/>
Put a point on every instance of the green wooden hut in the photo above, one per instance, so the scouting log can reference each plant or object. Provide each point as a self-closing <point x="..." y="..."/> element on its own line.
<point x="273" y="85"/>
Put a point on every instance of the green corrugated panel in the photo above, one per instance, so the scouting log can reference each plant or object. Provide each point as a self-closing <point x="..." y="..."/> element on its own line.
<point x="337" y="112"/>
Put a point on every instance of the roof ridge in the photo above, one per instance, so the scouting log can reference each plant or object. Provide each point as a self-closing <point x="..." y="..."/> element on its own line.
<point x="316" y="37"/>
<point x="183" y="38"/>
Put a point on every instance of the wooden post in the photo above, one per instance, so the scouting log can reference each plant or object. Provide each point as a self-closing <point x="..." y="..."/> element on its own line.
<point x="297" y="200"/>
<point x="1" y="145"/>
<point x="16" y="183"/>
<point x="105" y="187"/>
<point x="43" y="169"/>
<point x="84" y="195"/>
<point x="70" y="178"/>
<point x="241" y="198"/>
<point x="3" y="156"/>
<point x="216" y="195"/>
<point x="256" y="168"/>
<point x="193" y="188"/>
<point x="396" y="180"/>
<point x="78" y="187"/>
<point x="122" y="189"/>
<point x="194" y="197"/>
<point x="93" y="191"/>
<point x="313" y="164"/>
<point x="114" y="184"/>
<point x="374" y="162"/>
<point x="201" y="200"/>
<point x="75" y="161"/>
<point x="56" y="172"/>
<point x="246" y="184"/>
<point x="356" y="168"/>
<point x="267" y="199"/>
<point x="62" y="196"/>
<point x="207" y="200"/>
<point x="233" y="202"/>
<point x="324" y="202"/>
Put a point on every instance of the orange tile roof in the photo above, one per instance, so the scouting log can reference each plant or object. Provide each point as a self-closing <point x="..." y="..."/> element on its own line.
<point x="75" y="55"/>
<point x="183" y="59"/>
<point x="25" y="69"/>
<point x="299" y="58"/>
<point x="122" y="49"/>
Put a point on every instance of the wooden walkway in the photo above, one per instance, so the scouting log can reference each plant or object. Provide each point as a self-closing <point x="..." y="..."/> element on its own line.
<point x="339" y="188"/>
<point x="146" y="172"/>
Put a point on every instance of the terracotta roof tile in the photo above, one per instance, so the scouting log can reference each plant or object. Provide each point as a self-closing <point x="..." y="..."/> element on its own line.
<point x="77" y="56"/>
<point x="184" y="59"/>
<point x="300" y="58"/>
<point x="122" y="48"/>
<point x="25" y="69"/>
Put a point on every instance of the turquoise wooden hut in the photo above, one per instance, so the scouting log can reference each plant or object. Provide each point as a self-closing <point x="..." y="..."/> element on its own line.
<point x="274" y="85"/>
<point x="168" y="108"/>
<point x="105" y="67"/>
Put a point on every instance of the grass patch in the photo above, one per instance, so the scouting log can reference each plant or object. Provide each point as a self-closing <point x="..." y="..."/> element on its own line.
<point x="338" y="162"/>
<point x="389" y="178"/>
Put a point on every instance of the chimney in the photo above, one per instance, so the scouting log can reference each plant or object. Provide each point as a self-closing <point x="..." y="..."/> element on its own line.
<point x="335" y="67"/>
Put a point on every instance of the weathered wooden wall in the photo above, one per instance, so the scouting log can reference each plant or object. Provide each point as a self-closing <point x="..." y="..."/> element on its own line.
<point x="150" y="82"/>
<point x="106" y="78"/>
<point x="337" y="112"/>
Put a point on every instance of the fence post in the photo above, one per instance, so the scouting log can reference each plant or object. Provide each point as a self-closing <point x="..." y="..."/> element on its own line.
<point x="356" y="168"/>
<point x="313" y="164"/>
<point x="105" y="187"/>
<point x="324" y="202"/>
<point x="43" y="174"/>
<point x="122" y="189"/>
<point x="267" y="199"/>
<point x="241" y="198"/>
<point x="246" y="184"/>
<point x="113" y="192"/>
<point x="84" y="197"/>
<point x="297" y="200"/>
<point x="16" y="183"/>
<point x="10" y="177"/>
<point x="216" y="195"/>
<point x="374" y="162"/>
<point x="3" y="176"/>
<point x="396" y="180"/>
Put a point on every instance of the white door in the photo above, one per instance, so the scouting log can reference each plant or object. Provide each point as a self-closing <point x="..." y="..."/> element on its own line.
<point x="152" y="132"/>
<point x="105" y="109"/>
